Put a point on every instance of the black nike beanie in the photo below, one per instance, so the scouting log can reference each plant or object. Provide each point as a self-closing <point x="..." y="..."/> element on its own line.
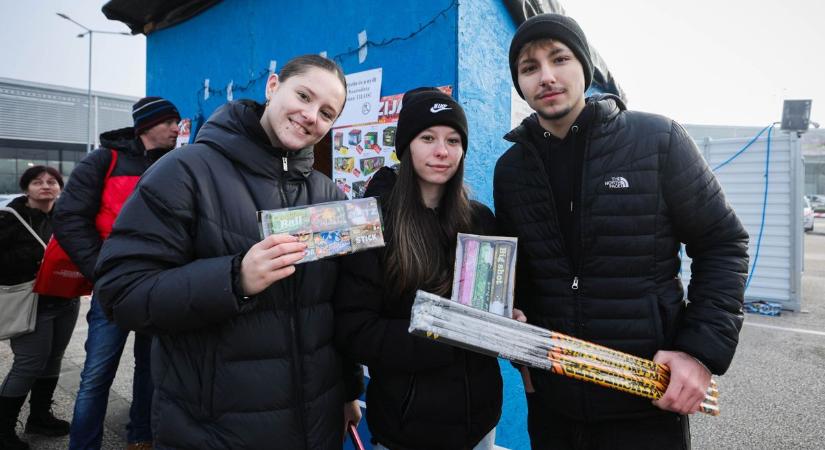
<point x="424" y="107"/>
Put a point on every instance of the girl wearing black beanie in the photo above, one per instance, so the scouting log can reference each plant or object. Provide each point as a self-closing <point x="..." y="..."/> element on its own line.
<point x="422" y="394"/>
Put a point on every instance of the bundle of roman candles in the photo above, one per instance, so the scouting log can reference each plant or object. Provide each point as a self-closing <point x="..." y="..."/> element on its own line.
<point x="480" y="331"/>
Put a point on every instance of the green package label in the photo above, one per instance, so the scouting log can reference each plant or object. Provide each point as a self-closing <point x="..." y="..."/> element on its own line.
<point x="484" y="275"/>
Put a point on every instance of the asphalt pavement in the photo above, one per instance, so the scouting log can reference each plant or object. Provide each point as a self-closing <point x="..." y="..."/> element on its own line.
<point x="771" y="398"/>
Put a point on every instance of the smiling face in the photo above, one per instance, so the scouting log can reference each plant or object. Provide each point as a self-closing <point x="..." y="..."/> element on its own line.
<point x="552" y="80"/>
<point x="436" y="155"/>
<point x="302" y="108"/>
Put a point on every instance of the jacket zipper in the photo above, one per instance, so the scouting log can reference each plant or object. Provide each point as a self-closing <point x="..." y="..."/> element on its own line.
<point x="284" y="160"/>
<point x="295" y="330"/>
<point x="296" y="369"/>
<point x="580" y="243"/>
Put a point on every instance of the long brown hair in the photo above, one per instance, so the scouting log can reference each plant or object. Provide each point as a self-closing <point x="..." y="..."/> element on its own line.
<point x="422" y="241"/>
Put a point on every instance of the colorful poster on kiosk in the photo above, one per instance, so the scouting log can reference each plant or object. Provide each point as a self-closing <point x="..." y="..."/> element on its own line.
<point x="358" y="151"/>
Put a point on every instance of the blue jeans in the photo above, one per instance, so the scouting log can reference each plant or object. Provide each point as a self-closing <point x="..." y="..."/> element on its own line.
<point x="104" y="345"/>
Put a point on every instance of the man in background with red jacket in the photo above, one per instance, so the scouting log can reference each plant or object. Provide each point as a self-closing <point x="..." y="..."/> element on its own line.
<point x="83" y="218"/>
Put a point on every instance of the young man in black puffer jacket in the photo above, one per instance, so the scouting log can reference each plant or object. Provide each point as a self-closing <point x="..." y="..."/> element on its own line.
<point x="601" y="199"/>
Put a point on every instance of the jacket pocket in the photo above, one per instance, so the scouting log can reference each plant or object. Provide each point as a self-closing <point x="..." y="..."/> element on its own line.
<point x="658" y="326"/>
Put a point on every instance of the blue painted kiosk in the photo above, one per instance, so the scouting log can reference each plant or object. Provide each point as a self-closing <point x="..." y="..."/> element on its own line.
<point x="200" y="53"/>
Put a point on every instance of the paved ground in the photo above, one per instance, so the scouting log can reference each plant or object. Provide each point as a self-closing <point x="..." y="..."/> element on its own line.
<point x="117" y="414"/>
<point x="771" y="398"/>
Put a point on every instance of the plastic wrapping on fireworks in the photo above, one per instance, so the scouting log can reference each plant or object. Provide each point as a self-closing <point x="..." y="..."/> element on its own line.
<point x="483" y="332"/>
<point x="329" y="229"/>
<point x="484" y="272"/>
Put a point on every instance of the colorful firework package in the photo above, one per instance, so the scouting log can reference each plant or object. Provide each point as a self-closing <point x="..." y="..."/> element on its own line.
<point x="492" y="334"/>
<point x="329" y="229"/>
<point x="484" y="272"/>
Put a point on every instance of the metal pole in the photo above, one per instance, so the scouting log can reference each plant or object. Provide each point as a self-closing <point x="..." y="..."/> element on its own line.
<point x="89" y="115"/>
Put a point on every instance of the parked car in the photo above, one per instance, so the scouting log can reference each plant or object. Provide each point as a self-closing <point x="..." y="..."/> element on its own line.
<point x="817" y="204"/>
<point x="6" y="198"/>
<point x="807" y="215"/>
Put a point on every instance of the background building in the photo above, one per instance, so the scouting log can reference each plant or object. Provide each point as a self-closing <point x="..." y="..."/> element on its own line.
<point x="47" y="124"/>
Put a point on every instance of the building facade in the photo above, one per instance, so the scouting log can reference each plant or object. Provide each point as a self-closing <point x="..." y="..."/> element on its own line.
<point x="47" y="124"/>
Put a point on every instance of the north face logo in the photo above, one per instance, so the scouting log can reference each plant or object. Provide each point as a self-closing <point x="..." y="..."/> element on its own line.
<point x="438" y="107"/>
<point x="617" y="183"/>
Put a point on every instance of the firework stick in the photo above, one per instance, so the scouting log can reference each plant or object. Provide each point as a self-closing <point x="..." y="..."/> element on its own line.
<point x="559" y="364"/>
<point x="468" y="271"/>
<point x="484" y="276"/>
<point x="660" y="379"/>
<point x="575" y="347"/>
<point x="595" y="366"/>
<point x="562" y="339"/>
<point x="509" y="355"/>
<point x="501" y="277"/>
<point x="639" y="365"/>
<point x="554" y="356"/>
<point x="619" y="364"/>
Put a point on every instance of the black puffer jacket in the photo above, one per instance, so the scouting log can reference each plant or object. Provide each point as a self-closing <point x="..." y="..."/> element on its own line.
<point x="645" y="188"/>
<point x="76" y="211"/>
<point x="21" y="255"/>
<point x="254" y="375"/>
<point x="422" y="394"/>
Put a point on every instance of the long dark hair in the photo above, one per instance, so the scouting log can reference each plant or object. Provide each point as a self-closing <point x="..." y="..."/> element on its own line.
<point x="422" y="241"/>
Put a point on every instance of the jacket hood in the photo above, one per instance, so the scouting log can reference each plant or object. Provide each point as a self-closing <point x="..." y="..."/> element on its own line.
<point x="235" y="131"/>
<point x="122" y="139"/>
<point x="608" y="107"/>
<point x="18" y="204"/>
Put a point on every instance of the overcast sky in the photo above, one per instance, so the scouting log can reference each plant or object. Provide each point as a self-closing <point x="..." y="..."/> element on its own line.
<point x="37" y="45"/>
<point x="725" y="62"/>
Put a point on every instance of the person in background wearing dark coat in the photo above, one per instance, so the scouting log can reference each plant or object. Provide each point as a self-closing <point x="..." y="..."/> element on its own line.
<point x="37" y="355"/>
<point x="243" y="354"/>
<point x="83" y="219"/>
<point x="422" y="394"/>
<point x="601" y="199"/>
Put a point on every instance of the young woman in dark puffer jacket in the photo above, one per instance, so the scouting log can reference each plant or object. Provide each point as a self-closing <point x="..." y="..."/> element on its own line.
<point x="422" y="394"/>
<point x="243" y="355"/>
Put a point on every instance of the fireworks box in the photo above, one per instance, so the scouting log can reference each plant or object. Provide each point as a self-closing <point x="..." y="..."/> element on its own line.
<point x="371" y="139"/>
<point x="354" y="136"/>
<point x="371" y="165"/>
<point x="338" y="139"/>
<point x="344" y="164"/>
<point x="484" y="275"/>
<point x="389" y="136"/>
<point x="359" y="188"/>
<point x="329" y="229"/>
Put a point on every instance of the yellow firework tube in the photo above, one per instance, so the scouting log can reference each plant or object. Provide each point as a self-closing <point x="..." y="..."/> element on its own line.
<point x="598" y="366"/>
<point x="617" y="363"/>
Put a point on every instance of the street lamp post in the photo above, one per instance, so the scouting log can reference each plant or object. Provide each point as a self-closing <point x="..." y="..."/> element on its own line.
<point x="91" y="33"/>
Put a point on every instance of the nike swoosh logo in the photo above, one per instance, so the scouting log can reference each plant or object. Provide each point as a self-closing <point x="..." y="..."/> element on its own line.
<point x="437" y="109"/>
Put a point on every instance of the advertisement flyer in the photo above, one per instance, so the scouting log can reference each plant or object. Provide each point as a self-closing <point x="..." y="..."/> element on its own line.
<point x="185" y="126"/>
<point x="359" y="151"/>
